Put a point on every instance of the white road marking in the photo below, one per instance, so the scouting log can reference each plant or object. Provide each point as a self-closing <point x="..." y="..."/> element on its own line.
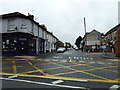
<point x="100" y="62"/>
<point x="80" y="57"/>
<point x="91" y="62"/>
<point x="63" y="60"/>
<point x="39" y="59"/>
<point x="67" y="53"/>
<point x="91" y="58"/>
<point x="55" y="60"/>
<point x="58" y="81"/>
<point x="87" y="58"/>
<point x="41" y="83"/>
<point x="81" y="61"/>
<point x="47" y="77"/>
<point x="70" y="60"/>
<point x="12" y="76"/>
<point x="74" y="57"/>
<point x="56" y="57"/>
<point x="114" y="87"/>
<point x="77" y="57"/>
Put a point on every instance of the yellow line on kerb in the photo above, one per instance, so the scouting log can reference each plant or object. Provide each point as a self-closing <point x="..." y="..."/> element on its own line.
<point x="95" y="80"/>
<point x="39" y="70"/>
<point x="14" y="66"/>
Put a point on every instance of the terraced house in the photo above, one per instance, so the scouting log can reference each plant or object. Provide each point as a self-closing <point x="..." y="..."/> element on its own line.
<point x="22" y="35"/>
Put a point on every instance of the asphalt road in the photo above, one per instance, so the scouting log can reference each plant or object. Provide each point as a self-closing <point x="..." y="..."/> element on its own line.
<point x="71" y="69"/>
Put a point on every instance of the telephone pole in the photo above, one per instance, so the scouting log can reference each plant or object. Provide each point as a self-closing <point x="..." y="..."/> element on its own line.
<point x="85" y="31"/>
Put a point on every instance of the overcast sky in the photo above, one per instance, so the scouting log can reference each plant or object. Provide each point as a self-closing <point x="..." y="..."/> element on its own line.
<point x="65" y="17"/>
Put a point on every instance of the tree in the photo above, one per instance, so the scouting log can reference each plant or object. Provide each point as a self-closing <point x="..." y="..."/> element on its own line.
<point x="78" y="41"/>
<point x="67" y="45"/>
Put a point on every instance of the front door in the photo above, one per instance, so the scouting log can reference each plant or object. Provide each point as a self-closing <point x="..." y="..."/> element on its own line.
<point x="23" y="49"/>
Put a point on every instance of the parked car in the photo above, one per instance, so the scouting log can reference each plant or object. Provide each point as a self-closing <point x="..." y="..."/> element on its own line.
<point x="61" y="49"/>
<point x="104" y="47"/>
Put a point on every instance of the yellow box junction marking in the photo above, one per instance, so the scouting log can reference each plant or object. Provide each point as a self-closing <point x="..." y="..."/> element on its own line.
<point x="10" y="67"/>
<point x="39" y="70"/>
<point x="5" y="62"/>
<point x="52" y="76"/>
<point x="47" y="75"/>
<point x="79" y="71"/>
<point x="14" y="66"/>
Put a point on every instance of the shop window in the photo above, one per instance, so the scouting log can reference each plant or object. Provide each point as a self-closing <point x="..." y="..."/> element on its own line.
<point x="7" y="41"/>
<point x="31" y="45"/>
<point x="9" y="44"/>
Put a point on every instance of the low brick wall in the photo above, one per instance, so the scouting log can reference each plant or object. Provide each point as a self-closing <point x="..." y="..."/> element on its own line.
<point x="101" y="50"/>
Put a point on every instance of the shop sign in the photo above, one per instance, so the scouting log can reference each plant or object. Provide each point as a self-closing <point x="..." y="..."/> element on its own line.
<point x="24" y="39"/>
<point x="35" y="38"/>
<point x="23" y="26"/>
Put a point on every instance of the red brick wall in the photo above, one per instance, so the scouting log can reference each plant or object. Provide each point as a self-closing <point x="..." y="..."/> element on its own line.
<point x="117" y="44"/>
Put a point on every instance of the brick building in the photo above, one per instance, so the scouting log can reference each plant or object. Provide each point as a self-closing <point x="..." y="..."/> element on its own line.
<point x="117" y="44"/>
<point x="112" y="40"/>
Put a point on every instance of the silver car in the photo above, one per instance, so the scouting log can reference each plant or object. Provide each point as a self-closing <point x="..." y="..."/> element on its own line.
<point x="61" y="49"/>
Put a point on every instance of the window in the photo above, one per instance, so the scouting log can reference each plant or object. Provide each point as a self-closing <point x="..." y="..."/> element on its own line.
<point x="31" y="27"/>
<point x="9" y="44"/>
<point x="11" y="24"/>
<point x="31" y="45"/>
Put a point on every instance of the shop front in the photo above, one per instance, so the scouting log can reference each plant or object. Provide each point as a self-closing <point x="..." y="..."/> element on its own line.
<point x="18" y="43"/>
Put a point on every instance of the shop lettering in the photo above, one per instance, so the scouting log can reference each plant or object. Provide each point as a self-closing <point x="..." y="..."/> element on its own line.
<point x="23" y="26"/>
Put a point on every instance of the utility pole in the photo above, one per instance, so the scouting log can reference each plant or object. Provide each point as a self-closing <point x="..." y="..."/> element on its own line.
<point x="85" y="31"/>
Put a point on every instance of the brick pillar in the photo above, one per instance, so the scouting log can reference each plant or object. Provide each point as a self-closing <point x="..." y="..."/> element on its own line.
<point x="117" y="44"/>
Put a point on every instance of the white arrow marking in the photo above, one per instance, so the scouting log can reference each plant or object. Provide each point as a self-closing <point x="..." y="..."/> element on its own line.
<point x="46" y="77"/>
<point x="41" y="83"/>
<point x="114" y="87"/>
<point x="58" y="81"/>
<point x="12" y="76"/>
